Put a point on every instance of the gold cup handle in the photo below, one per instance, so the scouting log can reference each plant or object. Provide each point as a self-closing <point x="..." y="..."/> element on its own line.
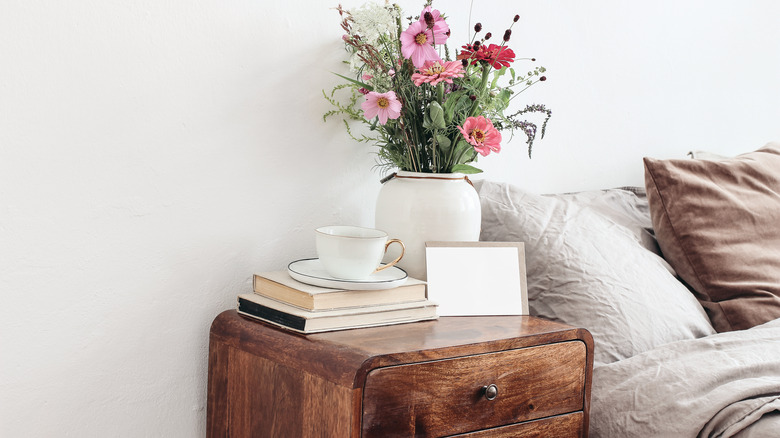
<point x="398" y="259"/>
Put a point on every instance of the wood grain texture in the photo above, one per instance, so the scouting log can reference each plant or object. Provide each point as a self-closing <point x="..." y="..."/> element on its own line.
<point x="266" y="399"/>
<point x="332" y="361"/>
<point x="335" y="355"/>
<point x="268" y="408"/>
<point x="216" y="400"/>
<point x="331" y="405"/>
<point x="265" y="381"/>
<point x="445" y="397"/>
<point x="562" y="426"/>
<point x="586" y="337"/>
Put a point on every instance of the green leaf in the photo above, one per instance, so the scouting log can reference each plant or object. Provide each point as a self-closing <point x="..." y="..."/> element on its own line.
<point x="358" y="83"/>
<point x="503" y="99"/>
<point x="497" y="74"/>
<point x="465" y="168"/>
<point x="452" y="103"/>
<point x="427" y="121"/>
<point x="443" y="141"/>
<point x="461" y="147"/>
<point x="436" y="113"/>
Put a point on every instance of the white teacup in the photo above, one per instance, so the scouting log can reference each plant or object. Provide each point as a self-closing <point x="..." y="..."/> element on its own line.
<point x="353" y="253"/>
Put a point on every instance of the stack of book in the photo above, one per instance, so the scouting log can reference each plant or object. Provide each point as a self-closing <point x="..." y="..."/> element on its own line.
<point x="281" y="300"/>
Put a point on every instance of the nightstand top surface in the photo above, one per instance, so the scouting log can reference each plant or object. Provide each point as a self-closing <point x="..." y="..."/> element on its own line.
<point x="345" y="356"/>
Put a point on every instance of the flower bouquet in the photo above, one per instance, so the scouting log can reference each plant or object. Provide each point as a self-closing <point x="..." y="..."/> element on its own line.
<point x="426" y="111"/>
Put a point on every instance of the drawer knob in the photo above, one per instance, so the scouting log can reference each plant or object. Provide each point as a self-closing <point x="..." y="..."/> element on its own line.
<point x="491" y="391"/>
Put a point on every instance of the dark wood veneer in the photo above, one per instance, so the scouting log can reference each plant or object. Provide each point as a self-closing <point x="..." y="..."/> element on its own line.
<point x="266" y="381"/>
<point x="446" y="395"/>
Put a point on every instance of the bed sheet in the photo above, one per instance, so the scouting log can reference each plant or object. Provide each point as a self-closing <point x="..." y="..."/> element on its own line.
<point x="722" y="385"/>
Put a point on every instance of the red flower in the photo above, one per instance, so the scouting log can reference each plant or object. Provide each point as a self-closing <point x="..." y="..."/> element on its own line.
<point x="496" y="56"/>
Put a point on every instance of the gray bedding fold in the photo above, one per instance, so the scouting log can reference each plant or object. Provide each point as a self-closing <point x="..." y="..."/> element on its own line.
<point x="718" y="386"/>
<point x="736" y="417"/>
<point x="768" y="427"/>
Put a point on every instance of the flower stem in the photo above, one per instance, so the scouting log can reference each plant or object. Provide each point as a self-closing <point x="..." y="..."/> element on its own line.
<point x="517" y="93"/>
<point x="482" y="85"/>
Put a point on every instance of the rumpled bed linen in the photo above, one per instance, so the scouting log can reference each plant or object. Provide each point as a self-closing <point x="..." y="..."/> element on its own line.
<point x="722" y="385"/>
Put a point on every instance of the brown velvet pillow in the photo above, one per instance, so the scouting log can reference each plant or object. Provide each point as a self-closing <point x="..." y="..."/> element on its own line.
<point x="718" y="224"/>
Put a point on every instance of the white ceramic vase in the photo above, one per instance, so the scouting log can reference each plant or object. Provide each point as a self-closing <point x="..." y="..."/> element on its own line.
<point x="425" y="207"/>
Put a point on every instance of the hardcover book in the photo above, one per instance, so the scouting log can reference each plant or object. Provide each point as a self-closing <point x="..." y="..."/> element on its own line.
<point x="281" y="287"/>
<point x="304" y="321"/>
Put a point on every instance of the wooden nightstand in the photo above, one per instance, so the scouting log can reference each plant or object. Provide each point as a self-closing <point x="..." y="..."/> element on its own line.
<point x="497" y="376"/>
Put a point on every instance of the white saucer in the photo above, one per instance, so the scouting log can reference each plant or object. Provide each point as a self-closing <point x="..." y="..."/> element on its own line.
<point x="311" y="271"/>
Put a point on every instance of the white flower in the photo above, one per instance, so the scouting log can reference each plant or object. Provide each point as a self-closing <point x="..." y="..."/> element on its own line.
<point x="355" y="63"/>
<point x="373" y="20"/>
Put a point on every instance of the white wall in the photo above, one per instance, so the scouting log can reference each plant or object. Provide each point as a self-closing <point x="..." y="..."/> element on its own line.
<point x="153" y="155"/>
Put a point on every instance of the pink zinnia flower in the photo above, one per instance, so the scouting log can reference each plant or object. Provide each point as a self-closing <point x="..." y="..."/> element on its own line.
<point x="384" y="105"/>
<point x="434" y="72"/>
<point x="417" y="44"/>
<point x="440" y="29"/>
<point x="480" y="132"/>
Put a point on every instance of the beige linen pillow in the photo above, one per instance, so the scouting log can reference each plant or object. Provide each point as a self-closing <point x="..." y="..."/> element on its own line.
<point x="718" y="225"/>
<point x="587" y="265"/>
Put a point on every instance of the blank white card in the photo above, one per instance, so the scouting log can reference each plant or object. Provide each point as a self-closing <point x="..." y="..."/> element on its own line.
<point x="477" y="278"/>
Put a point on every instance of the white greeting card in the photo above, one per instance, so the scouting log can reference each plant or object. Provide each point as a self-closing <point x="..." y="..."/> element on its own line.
<point x="477" y="278"/>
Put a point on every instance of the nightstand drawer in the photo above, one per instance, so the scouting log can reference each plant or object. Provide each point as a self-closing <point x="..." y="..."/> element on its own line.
<point x="560" y="426"/>
<point x="446" y="397"/>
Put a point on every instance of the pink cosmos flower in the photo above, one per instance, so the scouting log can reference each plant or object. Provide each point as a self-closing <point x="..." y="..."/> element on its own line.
<point x="480" y="132"/>
<point x="440" y="29"/>
<point x="417" y="44"/>
<point x="384" y="105"/>
<point x="434" y="72"/>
